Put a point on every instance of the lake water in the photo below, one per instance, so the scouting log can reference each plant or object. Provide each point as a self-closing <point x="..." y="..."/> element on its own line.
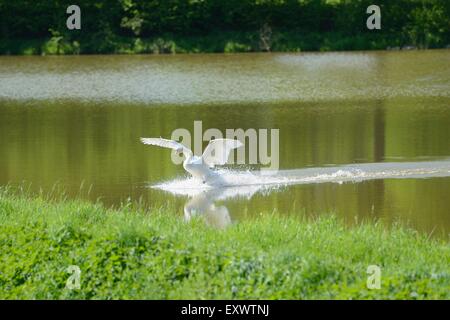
<point x="361" y="135"/>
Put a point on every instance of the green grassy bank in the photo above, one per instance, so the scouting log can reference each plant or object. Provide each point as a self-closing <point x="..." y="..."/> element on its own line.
<point x="132" y="253"/>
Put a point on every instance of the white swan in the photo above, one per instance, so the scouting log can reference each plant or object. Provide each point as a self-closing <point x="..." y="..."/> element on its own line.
<point x="216" y="153"/>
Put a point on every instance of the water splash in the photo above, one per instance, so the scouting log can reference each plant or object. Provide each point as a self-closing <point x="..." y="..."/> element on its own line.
<point x="246" y="183"/>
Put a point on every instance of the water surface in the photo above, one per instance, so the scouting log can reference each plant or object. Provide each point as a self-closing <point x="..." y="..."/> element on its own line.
<point x="77" y="120"/>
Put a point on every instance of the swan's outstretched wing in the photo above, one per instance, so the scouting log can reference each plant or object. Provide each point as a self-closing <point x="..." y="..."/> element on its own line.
<point x="218" y="151"/>
<point x="166" y="143"/>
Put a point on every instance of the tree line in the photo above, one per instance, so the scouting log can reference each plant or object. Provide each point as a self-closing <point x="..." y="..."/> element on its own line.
<point x="129" y="26"/>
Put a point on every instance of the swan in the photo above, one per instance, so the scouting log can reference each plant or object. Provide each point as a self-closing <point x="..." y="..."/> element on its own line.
<point x="216" y="153"/>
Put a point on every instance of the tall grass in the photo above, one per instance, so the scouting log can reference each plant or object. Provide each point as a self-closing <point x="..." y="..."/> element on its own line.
<point x="132" y="252"/>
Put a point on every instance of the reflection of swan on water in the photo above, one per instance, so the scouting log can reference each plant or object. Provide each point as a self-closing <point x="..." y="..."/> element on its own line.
<point x="203" y="204"/>
<point x="216" y="153"/>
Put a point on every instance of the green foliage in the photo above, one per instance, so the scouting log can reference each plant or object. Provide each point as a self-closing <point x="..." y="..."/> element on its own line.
<point x="130" y="253"/>
<point x="27" y="27"/>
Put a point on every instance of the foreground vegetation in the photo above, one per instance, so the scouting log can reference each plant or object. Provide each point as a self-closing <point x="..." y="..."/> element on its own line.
<point x="173" y="26"/>
<point x="131" y="253"/>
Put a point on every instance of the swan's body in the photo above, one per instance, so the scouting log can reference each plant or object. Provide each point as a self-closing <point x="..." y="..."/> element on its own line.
<point x="216" y="153"/>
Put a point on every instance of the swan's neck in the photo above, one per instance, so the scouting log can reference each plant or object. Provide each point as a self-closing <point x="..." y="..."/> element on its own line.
<point x="187" y="157"/>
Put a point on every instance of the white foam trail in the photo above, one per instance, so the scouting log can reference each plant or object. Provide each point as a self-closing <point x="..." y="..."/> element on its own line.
<point x="247" y="183"/>
<point x="231" y="184"/>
